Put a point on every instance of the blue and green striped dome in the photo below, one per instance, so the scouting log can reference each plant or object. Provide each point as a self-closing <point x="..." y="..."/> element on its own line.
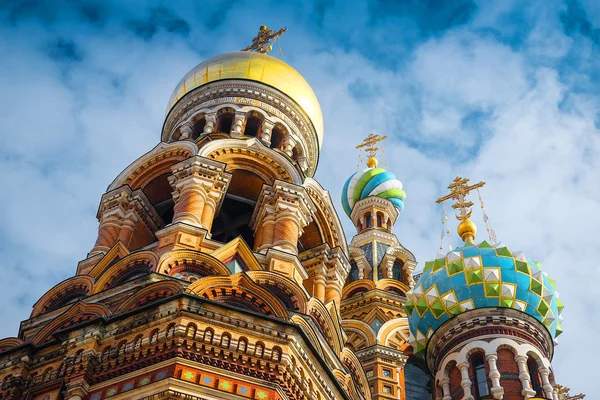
<point x="372" y="182"/>
<point x="480" y="276"/>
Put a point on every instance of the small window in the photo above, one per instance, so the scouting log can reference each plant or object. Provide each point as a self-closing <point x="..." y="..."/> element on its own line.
<point x="387" y="373"/>
<point x="387" y="389"/>
<point x="369" y="220"/>
<point x="534" y="375"/>
<point x="480" y="376"/>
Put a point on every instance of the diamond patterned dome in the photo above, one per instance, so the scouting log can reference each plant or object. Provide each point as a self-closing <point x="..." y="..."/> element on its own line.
<point x="480" y="276"/>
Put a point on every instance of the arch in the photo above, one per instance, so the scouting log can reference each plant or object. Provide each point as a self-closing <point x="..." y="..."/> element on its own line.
<point x="292" y="295"/>
<point x="198" y="122"/>
<point x="225" y="120"/>
<point x="242" y="344"/>
<point x="259" y="349"/>
<point x="359" y="286"/>
<point x="326" y="216"/>
<point x="135" y="263"/>
<point x="238" y="290"/>
<point x="309" y="331"/>
<point x="387" y="284"/>
<point x="197" y="262"/>
<point x="152" y="292"/>
<point x="170" y="332"/>
<point x="250" y="154"/>
<point x="390" y="328"/>
<point x="278" y="135"/>
<point x="209" y="334"/>
<point x="361" y="328"/>
<point x="253" y="124"/>
<point x="79" y="311"/>
<point x="80" y="285"/>
<point x="225" y="340"/>
<point x="10" y="343"/>
<point x="153" y="337"/>
<point x="357" y="373"/>
<point x="158" y="161"/>
<point x="276" y="353"/>
<point x="322" y="317"/>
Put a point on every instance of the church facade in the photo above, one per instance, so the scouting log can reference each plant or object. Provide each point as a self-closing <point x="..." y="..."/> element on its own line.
<point x="221" y="271"/>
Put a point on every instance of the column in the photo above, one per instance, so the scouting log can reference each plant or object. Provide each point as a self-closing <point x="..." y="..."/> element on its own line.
<point x="497" y="390"/>
<point x="265" y="136"/>
<point x="121" y="211"/>
<point x="288" y="145"/>
<point x="546" y="385"/>
<point x="445" y="382"/>
<point x="211" y="120"/>
<point x="465" y="383"/>
<point x="238" y="123"/>
<point x="527" y="392"/>
<point x="290" y="209"/>
<point x="319" y="282"/>
<point x="185" y="131"/>
<point x="199" y="187"/>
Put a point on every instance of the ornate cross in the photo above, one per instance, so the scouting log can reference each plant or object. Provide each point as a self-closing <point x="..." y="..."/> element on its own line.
<point x="369" y="144"/>
<point x="459" y="189"/>
<point x="263" y="42"/>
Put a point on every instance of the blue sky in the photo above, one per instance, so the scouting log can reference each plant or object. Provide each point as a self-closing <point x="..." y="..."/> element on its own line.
<point x="504" y="91"/>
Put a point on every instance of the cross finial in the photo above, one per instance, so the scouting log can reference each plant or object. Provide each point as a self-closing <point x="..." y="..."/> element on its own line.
<point x="459" y="189"/>
<point x="263" y="42"/>
<point x="369" y="145"/>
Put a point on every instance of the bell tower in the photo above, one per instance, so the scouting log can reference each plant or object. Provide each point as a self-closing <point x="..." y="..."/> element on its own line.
<point x="218" y="267"/>
<point x="380" y="275"/>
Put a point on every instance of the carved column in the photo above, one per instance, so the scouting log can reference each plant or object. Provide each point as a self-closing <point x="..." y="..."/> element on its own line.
<point x="265" y="136"/>
<point x="465" y="382"/>
<point x="446" y="389"/>
<point x="186" y="131"/>
<point x="279" y="216"/>
<point x="238" y="123"/>
<point x="527" y="392"/>
<point x="211" y="120"/>
<point x="546" y="385"/>
<point x="319" y="282"/>
<point x="497" y="390"/>
<point x="121" y="212"/>
<point x="199" y="188"/>
<point x="288" y="145"/>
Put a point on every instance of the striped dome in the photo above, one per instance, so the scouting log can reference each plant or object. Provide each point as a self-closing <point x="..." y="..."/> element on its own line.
<point x="372" y="182"/>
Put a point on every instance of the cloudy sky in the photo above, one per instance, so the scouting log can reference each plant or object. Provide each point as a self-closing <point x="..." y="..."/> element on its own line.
<point x="503" y="91"/>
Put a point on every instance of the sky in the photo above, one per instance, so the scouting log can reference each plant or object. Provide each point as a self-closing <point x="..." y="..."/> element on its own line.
<point x="507" y="92"/>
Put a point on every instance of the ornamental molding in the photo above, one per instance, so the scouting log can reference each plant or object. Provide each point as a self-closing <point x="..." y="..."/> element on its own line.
<point x="245" y="93"/>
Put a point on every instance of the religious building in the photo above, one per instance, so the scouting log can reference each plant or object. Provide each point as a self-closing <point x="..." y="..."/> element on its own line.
<point x="221" y="271"/>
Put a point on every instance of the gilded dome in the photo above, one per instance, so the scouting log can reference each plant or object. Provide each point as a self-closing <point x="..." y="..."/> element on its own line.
<point x="480" y="276"/>
<point x="254" y="67"/>
<point x="372" y="182"/>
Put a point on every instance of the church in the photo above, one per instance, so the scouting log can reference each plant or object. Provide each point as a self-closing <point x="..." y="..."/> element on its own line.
<point x="221" y="271"/>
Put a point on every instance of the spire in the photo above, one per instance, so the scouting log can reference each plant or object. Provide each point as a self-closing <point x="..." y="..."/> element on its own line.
<point x="459" y="189"/>
<point x="369" y="145"/>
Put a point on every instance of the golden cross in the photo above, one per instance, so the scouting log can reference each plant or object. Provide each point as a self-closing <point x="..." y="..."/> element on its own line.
<point x="369" y="144"/>
<point x="459" y="189"/>
<point x="262" y="43"/>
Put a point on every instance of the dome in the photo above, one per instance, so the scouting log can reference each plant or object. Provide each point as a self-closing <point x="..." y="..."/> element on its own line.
<point x="255" y="67"/>
<point x="479" y="276"/>
<point x="372" y="182"/>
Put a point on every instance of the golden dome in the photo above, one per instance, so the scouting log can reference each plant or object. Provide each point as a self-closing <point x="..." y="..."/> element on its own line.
<point x="255" y="67"/>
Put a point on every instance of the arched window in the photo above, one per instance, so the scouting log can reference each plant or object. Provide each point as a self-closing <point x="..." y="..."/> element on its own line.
<point x="379" y="220"/>
<point x="137" y="343"/>
<point x="253" y="124"/>
<point x="225" y="119"/>
<point x="397" y="270"/>
<point x="368" y="220"/>
<point x="277" y="135"/>
<point x="170" y="331"/>
<point x="481" y="383"/>
<point x="353" y="272"/>
<point x="276" y="354"/>
<point x="534" y="375"/>
<point x="190" y="331"/>
<point x="418" y="383"/>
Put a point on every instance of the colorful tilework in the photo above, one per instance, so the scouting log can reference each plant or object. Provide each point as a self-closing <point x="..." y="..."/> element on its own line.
<point x="478" y="276"/>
